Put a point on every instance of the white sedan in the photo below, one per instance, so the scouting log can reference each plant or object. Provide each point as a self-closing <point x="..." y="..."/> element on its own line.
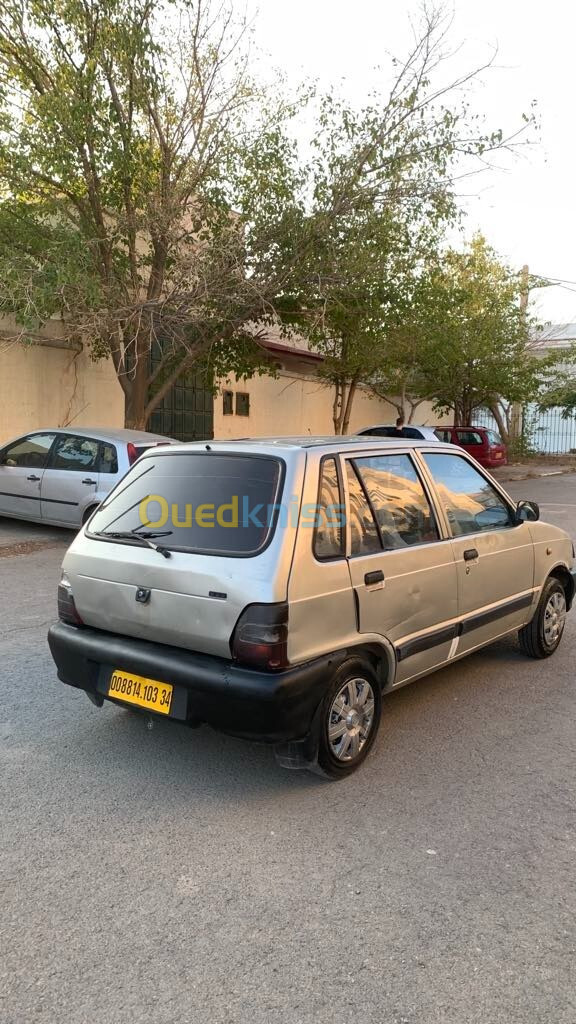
<point x="60" y="476"/>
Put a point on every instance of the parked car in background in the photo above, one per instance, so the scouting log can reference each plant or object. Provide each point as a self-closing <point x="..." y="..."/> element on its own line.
<point x="60" y="476"/>
<point x="485" y="445"/>
<point x="286" y="620"/>
<point x="390" y="430"/>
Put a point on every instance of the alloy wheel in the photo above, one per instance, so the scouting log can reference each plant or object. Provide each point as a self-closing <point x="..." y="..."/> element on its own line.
<point x="351" y="718"/>
<point x="554" y="618"/>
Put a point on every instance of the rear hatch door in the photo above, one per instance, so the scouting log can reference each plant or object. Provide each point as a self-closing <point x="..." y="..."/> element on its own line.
<point x="229" y="545"/>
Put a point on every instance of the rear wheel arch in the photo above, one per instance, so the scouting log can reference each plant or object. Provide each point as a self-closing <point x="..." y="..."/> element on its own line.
<point x="381" y="660"/>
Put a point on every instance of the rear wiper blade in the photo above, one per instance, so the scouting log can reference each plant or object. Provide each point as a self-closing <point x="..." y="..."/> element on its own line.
<point x="139" y="535"/>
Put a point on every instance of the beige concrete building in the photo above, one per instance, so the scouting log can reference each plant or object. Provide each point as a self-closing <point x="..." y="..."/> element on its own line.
<point x="51" y="383"/>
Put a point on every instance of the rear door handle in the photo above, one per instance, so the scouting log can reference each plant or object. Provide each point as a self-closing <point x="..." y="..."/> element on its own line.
<point x="470" y="554"/>
<point x="377" y="576"/>
<point x="87" y="480"/>
<point x="34" y="478"/>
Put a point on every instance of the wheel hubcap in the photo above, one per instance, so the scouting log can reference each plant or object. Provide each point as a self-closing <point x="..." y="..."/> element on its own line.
<point x="351" y="718"/>
<point x="554" y="618"/>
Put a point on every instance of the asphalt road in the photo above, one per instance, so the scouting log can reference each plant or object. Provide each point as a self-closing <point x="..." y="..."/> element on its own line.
<point x="173" y="876"/>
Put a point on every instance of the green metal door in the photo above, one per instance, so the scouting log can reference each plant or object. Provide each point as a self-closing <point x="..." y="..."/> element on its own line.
<point x="187" y="411"/>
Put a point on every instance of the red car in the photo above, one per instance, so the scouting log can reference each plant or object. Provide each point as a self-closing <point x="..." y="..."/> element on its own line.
<point x="486" y="446"/>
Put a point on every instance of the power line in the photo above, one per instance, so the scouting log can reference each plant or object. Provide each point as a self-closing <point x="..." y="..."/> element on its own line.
<point x="554" y="280"/>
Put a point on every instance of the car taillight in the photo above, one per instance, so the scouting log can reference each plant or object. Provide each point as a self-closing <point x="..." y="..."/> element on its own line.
<point x="260" y="637"/>
<point x="67" y="611"/>
<point x="132" y="453"/>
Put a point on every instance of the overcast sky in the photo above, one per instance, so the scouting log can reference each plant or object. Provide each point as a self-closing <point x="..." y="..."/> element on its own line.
<point x="527" y="210"/>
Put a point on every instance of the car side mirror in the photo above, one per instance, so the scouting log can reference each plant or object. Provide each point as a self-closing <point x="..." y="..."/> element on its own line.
<point x="527" y="512"/>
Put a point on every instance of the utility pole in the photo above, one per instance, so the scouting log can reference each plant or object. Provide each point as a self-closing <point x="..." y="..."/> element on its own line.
<point x="517" y="412"/>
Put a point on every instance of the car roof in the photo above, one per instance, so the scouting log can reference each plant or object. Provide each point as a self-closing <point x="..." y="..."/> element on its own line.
<point x="104" y="434"/>
<point x="295" y="442"/>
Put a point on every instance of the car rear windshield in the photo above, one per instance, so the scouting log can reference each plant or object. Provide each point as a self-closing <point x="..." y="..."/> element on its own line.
<point x="202" y="501"/>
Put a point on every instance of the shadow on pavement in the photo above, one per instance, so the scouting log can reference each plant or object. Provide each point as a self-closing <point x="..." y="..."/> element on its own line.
<point x="20" y="537"/>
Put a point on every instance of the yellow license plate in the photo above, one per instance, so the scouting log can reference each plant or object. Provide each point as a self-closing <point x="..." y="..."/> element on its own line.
<point x="146" y="693"/>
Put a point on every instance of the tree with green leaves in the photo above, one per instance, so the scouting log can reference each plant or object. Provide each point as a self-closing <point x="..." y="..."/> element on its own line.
<point x="118" y="119"/>
<point x="153" y="195"/>
<point x="382" y="181"/>
<point x="399" y="378"/>
<point x="560" y="392"/>
<point x="472" y="332"/>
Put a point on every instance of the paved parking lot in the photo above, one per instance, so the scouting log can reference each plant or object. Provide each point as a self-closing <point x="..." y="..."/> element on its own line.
<point x="173" y="876"/>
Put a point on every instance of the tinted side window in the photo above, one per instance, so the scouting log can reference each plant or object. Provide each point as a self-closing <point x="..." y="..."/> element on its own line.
<point x="28" y="453"/>
<point x="412" y="432"/>
<point x="328" y="531"/>
<point x="108" y="458"/>
<point x="398" y="499"/>
<point x="472" y="504"/>
<point x="75" y="453"/>
<point x="469" y="437"/>
<point x="363" y="529"/>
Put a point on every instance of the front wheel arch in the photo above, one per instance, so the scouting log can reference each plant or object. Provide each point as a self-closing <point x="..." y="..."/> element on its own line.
<point x="534" y="639"/>
<point x="88" y="512"/>
<point x="564" y="577"/>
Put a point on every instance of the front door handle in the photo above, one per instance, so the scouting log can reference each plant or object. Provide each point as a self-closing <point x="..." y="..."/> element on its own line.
<point x="35" y="479"/>
<point x="470" y="554"/>
<point x="377" y="576"/>
<point x="87" y="480"/>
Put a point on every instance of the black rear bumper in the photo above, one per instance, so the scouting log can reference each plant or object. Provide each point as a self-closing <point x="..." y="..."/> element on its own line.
<point x="273" y="707"/>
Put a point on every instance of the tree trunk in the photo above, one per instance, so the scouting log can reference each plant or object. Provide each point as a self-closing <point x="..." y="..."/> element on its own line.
<point x="403" y="403"/>
<point x="516" y="417"/>
<point x="338" y="407"/>
<point x="136" y="394"/>
<point x="348" y="407"/>
<point x="500" y="420"/>
<point x="414" y="403"/>
<point x="466" y="410"/>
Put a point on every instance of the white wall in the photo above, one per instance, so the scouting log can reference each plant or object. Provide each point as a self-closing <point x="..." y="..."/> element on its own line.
<point x="292" y="404"/>
<point x="54" y="387"/>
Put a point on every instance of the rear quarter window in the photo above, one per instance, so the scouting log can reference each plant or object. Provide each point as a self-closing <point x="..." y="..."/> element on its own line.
<point x="443" y="435"/>
<point x="493" y="437"/>
<point x="207" y="503"/>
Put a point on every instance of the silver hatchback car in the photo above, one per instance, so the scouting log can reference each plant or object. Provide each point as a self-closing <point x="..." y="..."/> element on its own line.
<point x="60" y="476"/>
<point x="277" y="588"/>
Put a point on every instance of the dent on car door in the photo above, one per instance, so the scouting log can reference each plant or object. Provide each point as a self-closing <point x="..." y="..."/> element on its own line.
<point x="401" y="566"/>
<point x="22" y="465"/>
<point x="70" y="479"/>
<point x="494" y="554"/>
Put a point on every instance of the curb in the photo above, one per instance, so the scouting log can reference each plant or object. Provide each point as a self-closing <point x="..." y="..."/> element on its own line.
<point x="534" y="475"/>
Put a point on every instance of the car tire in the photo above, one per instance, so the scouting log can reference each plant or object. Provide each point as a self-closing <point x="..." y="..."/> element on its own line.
<point x="542" y="636"/>
<point x="349" y="719"/>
